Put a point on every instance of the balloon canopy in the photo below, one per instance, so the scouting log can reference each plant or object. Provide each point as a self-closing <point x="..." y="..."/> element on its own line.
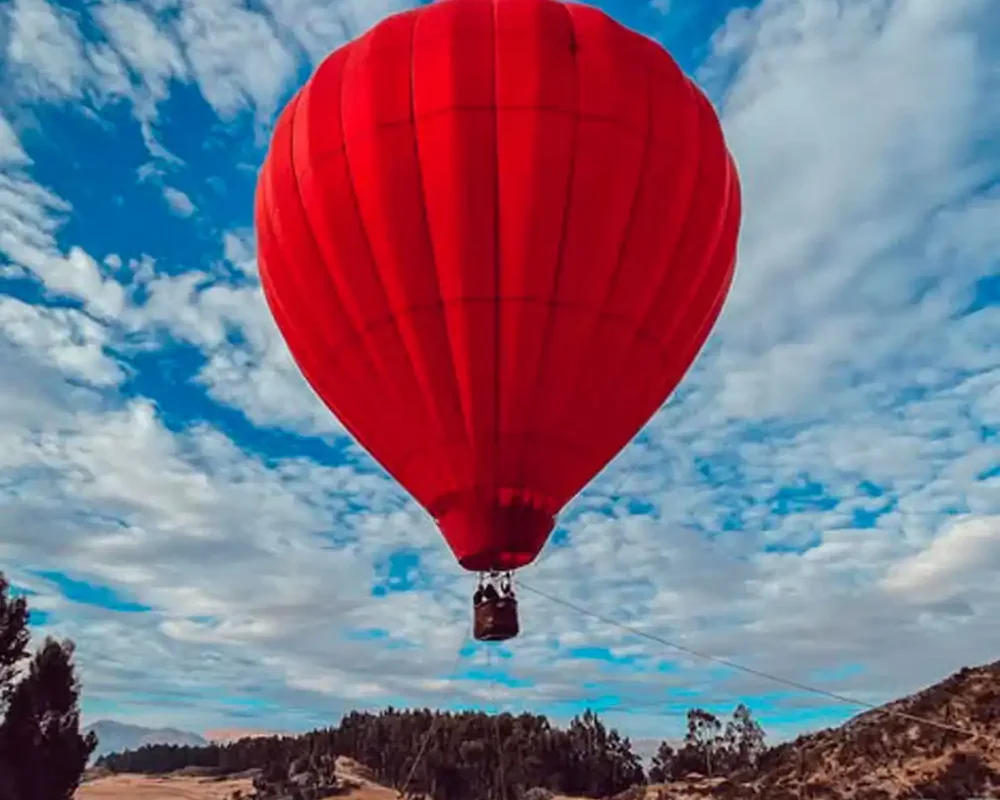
<point x="494" y="235"/>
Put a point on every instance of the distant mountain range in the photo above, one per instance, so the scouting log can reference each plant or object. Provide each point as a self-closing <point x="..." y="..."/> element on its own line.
<point x="116" y="737"/>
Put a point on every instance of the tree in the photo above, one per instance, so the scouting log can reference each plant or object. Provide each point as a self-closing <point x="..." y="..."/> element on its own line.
<point x="662" y="767"/>
<point x="703" y="743"/>
<point x="14" y="639"/>
<point x="465" y="756"/>
<point x="744" y="739"/>
<point x="42" y="752"/>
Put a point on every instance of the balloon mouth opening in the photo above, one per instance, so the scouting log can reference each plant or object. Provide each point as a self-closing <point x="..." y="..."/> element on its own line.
<point x="496" y="535"/>
<point x="498" y="560"/>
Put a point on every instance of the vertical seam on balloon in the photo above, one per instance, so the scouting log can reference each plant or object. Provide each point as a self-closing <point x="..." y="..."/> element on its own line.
<point x="721" y="226"/>
<point x="446" y="465"/>
<point x="626" y="230"/>
<point x="497" y="461"/>
<point x="269" y="221"/>
<point x="603" y="407"/>
<point x="389" y="385"/>
<point x="379" y="369"/>
<point x="532" y="399"/>
<point x="714" y="308"/>
<point x="309" y="225"/>
<point x="710" y="250"/>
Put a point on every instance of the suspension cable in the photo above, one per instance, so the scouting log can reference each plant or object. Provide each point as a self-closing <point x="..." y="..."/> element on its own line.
<point x="840" y="698"/>
<point x="435" y="718"/>
<point x="496" y="724"/>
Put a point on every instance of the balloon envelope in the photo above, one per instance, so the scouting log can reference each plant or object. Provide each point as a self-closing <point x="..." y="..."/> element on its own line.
<point x="494" y="235"/>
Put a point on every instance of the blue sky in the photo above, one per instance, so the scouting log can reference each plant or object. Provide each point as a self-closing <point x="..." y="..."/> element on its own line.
<point x="820" y="499"/>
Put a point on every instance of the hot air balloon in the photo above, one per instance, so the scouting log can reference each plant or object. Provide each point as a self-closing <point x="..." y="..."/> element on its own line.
<point x="494" y="235"/>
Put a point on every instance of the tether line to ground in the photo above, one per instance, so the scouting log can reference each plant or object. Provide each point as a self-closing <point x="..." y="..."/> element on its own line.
<point x="788" y="682"/>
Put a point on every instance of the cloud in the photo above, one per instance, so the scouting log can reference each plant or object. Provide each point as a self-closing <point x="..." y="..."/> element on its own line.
<point x="179" y="202"/>
<point x="949" y="565"/>
<point x="219" y="38"/>
<point x="151" y="52"/>
<point x="819" y="499"/>
<point x="45" y="50"/>
<point x="65" y="339"/>
<point x="11" y="152"/>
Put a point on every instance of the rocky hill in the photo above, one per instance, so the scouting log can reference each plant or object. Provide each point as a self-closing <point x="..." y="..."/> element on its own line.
<point x="881" y="755"/>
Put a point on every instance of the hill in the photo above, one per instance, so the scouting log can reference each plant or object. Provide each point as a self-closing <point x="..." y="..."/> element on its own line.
<point x="116" y="737"/>
<point x="883" y="754"/>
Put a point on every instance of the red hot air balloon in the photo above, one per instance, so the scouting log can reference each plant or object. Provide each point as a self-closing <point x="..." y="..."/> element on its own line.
<point x="495" y="234"/>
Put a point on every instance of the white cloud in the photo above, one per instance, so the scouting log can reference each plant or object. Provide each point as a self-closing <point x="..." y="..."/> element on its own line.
<point x="240" y="251"/>
<point x="45" y="50"/>
<point x="818" y="494"/>
<point x="11" y="152"/>
<point x="318" y="28"/>
<point x="951" y="564"/>
<point x="62" y="338"/>
<point x="235" y="56"/>
<point x="180" y="204"/>
<point x="859" y="127"/>
<point x="151" y="51"/>
<point x="239" y="58"/>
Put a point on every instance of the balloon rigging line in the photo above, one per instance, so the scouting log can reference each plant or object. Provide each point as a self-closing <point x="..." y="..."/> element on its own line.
<point x="496" y="722"/>
<point x="742" y="668"/>
<point x="466" y="635"/>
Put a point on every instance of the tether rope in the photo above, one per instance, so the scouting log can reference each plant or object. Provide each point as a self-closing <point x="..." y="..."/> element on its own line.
<point x="467" y="634"/>
<point x="496" y="724"/>
<point x="840" y="698"/>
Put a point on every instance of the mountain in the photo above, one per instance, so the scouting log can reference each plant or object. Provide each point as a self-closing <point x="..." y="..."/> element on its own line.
<point x="116" y="737"/>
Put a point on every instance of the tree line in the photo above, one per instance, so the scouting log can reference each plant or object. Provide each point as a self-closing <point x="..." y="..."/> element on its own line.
<point x="444" y="756"/>
<point x="466" y="755"/>
<point x="42" y="752"/>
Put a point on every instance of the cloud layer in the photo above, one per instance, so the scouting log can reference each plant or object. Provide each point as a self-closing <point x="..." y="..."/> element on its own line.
<point x="820" y="498"/>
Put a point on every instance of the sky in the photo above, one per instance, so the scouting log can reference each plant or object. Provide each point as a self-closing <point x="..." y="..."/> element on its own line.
<point x="820" y="499"/>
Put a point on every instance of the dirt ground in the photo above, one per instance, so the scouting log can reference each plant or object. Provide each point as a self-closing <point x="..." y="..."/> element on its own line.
<point x="144" y="787"/>
<point x="183" y="787"/>
<point x="180" y="787"/>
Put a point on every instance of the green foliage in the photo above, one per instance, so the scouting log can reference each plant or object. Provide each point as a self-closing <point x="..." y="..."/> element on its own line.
<point x="42" y="752"/>
<point x="461" y="759"/>
<point x="711" y="749"/>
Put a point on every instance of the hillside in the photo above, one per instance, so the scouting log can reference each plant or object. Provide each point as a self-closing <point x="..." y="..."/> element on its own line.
<point x="878" y="755"/>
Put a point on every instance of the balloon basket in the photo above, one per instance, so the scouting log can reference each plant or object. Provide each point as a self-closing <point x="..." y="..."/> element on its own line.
<point x="495" y="620"/>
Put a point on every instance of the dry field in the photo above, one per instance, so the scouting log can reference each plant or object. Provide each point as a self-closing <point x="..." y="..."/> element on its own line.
<point x="183" y="787"/>
<point x="142" y="787"/>
<point x="145" y="787"/>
